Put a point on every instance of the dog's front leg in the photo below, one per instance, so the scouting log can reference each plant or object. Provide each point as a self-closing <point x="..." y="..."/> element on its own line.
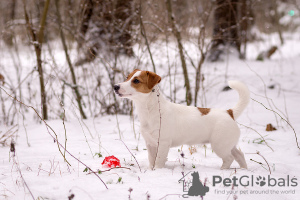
<point x="151" y="155"/>
<point x="158" y="159"/>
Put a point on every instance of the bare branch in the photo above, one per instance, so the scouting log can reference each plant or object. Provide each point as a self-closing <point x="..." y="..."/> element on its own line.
<point x="282" y="119"/>
<point x="55" y="138"/>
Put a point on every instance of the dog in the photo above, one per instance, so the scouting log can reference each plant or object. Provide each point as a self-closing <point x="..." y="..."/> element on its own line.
<point x="164" y="124"/>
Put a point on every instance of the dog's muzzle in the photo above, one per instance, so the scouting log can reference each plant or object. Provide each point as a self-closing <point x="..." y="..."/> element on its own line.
<point x="116" y="88"/>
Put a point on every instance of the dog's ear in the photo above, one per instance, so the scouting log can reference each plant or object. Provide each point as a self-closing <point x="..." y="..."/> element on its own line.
<point x="153" y="79"/>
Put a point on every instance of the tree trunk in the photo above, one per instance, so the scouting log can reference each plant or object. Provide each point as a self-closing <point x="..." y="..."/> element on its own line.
<point x="143" y="33"/>
<point x="38" y="41"/>
<point x="75" y="87"/>
<point x="198" y="77"/>
<point x="86" y="14"/>
<point x="227" y="21"/>
<point x="9" y="16"/>
<point x="177" y="34"/>
<point x="277" y="18"/>
<point x="106" y="25"/>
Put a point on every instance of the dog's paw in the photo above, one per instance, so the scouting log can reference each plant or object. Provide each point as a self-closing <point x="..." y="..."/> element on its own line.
<point x="159" y="166"/>
<point x="224" y="167"/>
<point x="244" y="167"/>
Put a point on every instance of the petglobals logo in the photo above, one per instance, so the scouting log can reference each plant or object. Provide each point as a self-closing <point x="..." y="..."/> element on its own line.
<point x="194" y="185"/>
<point x="261" y="181"/>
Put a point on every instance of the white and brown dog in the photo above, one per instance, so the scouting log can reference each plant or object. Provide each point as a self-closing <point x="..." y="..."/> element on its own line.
<point x="165" y="124"/>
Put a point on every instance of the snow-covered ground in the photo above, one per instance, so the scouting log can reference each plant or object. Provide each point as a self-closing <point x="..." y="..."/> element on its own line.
<point x="274" y="84"/>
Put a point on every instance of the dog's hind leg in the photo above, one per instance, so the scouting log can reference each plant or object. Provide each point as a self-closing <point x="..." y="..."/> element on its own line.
<point x="239" y="157"/>
<point x="225" y="154"/>
<point x="227" y="161"/>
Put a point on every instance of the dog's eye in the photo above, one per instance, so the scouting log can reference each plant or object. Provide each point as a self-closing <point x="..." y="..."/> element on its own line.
<point x="136" y="81"/>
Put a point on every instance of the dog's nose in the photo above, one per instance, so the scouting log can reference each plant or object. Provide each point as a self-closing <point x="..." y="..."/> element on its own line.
<point x="116" y="87"/>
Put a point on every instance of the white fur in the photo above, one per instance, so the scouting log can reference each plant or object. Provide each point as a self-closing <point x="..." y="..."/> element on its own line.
<point x="165" y="124"/>
<point x="244" y="97"/>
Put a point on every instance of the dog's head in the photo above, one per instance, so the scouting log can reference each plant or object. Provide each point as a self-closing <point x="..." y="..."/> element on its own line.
<point x="138" y="82"/>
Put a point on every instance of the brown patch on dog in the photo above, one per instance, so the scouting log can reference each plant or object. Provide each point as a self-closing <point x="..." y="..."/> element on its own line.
<point x="204" y="111"/>
<point x="145" y="81"/>
<point x="131" y="74"/>
<point x="230" y="112"/>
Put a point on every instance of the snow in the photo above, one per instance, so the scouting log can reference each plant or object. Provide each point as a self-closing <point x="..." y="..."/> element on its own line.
<point x="48" y="176"/>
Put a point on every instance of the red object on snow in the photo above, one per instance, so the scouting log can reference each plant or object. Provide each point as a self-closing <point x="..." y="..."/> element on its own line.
<point x="111" y="161"/>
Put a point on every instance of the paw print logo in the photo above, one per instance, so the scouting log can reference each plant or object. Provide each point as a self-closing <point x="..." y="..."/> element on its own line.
<point x="261" y="181"/>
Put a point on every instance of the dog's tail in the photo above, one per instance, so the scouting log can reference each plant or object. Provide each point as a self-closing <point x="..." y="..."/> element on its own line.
<point x="244" y="97"/>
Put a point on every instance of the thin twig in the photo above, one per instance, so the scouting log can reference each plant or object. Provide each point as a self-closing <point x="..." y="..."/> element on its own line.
<point x="19" y="170"/>
<point x="132" y="115"/>
<point x="131" y="154"/>
<point x="99" y="171"/>
<point x="25" y="129"/>
<point x="285" y="115"/>
<point x="265" y="160"/>
<point x="281" y="118"/>
<point x="158" y="94"/>
<point x="263" y="139"/>
<point x="118" y="124"/>
<point x="258" y="153"/>
<point x="21" y="82"/>
<point x="8" y="134"/>
<point x="170" y="195"/>
<point x="105" y="61"/>
<point x="66" y="139"/>
<point x="265" y="86"/>
<point x="13" y="150"/>
<point x="261" y="164"/>
<point x="80" y="120"/>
